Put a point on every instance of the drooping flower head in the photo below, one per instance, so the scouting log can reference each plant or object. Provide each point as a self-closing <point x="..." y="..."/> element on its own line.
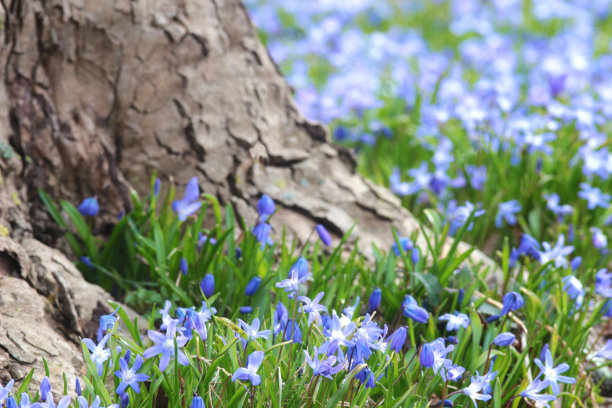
<point x="412" y="310"/>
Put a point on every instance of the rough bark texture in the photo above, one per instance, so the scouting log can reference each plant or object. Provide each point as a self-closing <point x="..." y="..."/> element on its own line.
<point x="96" y="95"/>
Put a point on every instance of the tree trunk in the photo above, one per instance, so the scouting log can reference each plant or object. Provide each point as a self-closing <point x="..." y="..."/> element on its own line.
<point x="96" y="95"/>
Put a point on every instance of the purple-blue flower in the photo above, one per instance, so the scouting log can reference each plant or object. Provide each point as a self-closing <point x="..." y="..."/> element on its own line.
<point x="552" y="374"/>
<point x="405" y="243"/>
<point x="412" y="310"/>
<point x="129" y="376"/>
<point x="455" y="321"/>
<point x="323" y="235"/>
<point x="4" y="391"/>
<point x="252" y="331"/>
<point x="99" y="354"/>
<point x="197" y="402"/>
<point x="476" y="391"/>
<point x="507" y="211"/>
<point x="533" y="392"/>
<point x="265" y="207"/>
<point x="325" y="368"/>
<point x="249" y="373"/>
<point x="312" y="307"/>
<point x="595" y="198"/>
<point x="605" y="351"/>
<point x="189" y="204"/>
<point x="459" y="216"/>
<point x="183" y="266"/>
<point x="558" y="253"/>
<point x="374" y="300"/>
<point x="598" y="239"/>
<point x="292" y="284"/>
<point x="426" y="357"/>
<point x="574" y="289"/>
<point x="208" y="285"/>
<point x="504" y="339"/>
<point x="89" y="207"/>
<point x="164" y="345"/>
<point x="252" y="286"/>
<point x="397" y="339"/>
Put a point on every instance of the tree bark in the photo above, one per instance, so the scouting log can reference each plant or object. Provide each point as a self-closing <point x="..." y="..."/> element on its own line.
<point x="96" y="95"/>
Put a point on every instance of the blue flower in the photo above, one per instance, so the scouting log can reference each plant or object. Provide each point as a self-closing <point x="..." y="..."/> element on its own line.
<point x="504" y="339"/>
<point x="512" y="301"/>
<point x="405" y="243"/>
<point x="575" y="263"/>
<point x="78" y="386"/>
<point x="164" y="345"/>
<point x="454" y="372"/>
<point x="281" y="316"/>
<point x="45" y="388"/>
<point x="337" y="332"/>
<point x="124" y="400"/>
<point x="292" y="284"/>
<point x="208" y="285"/>
<point x="99" y="354"/>
<point x="415" y="255"/>
<point x="397" y="339"/>
<point x="426" y="357"/>
<point x="262" y="234"/>
<point x="64" y="402"/>
<point x="249" y="373"/>
<point x="455" y="321"/>
<point x="312" y="307"/>
<point x="129" y="376"/>
<point x="89" y="207"/>
<point x="552" y="374"/>
<point x="595" y="198"/>
<point x="252" y="330"/>
<point x="532" y="392"/>
<point x="265" y="207"/>
<point x="399" y="187"/>
<point x="558" y="253"/>
<point x="476" y="391"/>
<point x="574" y="289"/>
<point x="374" y="300"/>
<point x="197" y="402"/>
<point x="553" y="204"/>
<point x="605" y="351"/>
<point x="87" y="261"/>
<point x="252" y="286"/>
<point x="293" y="332"/>
<point x="156" y="187"/>
<point x="598" y="239"/>
<point x="440" y="350"/>
<point x="302" y="266"/>
<point x="183" y="266"/>
<point x="461" y="214"/>
<point x="323" y="235"/>
<point x="95" y="404"/>
<point x="203" y="239"/>
<point x="189" y="204"/>
<point x="412" y="310"/>
<point x="4" y="391"/>
<point x="25" y="402"/>
<point x="325" y="368"/>
<point x="246" y="309"/>
<point x="106" y="323"/>
<point x="507" y="211"/>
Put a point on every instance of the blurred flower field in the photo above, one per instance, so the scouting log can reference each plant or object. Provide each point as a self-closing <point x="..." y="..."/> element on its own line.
<point x="490" y="120"/>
